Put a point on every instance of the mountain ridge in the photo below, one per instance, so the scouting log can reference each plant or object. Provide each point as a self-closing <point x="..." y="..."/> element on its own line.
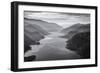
<point x="74" y="29"/>
<point x="48" y="26"/>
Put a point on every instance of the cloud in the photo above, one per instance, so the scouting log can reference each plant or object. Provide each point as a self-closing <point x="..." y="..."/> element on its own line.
<point x="62" y="19"/>
<point x="45" y="15"/>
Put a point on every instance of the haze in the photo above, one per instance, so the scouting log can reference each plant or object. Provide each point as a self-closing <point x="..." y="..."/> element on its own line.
<point x="62" y="19"/>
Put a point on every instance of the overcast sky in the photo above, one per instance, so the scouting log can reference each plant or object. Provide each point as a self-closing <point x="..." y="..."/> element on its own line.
<point x="62" y="19"/>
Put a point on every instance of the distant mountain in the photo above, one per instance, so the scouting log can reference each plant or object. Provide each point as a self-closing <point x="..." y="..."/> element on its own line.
<point x="74" y="29"/>
<point x="49" y="27"/>
<point x="34" y="27"/>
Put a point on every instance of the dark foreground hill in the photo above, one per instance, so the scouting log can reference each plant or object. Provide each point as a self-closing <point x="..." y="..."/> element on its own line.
<point x="80" y="43"/>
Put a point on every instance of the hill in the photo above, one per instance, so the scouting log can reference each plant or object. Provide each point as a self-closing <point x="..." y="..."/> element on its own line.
<point x="49" y="27"/>
<point x="80" y="43"/>
<point x="74" y="29"/>
<point x="32" y="34"/>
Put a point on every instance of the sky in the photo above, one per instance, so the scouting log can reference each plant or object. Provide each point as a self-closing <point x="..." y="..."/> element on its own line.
<point x="62" y="19"/>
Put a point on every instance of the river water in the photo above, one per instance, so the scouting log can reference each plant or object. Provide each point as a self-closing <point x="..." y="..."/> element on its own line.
<point x="52" y="47"/>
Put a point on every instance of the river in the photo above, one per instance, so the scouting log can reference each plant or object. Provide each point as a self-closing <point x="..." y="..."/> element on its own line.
<point x="52" y="47"/>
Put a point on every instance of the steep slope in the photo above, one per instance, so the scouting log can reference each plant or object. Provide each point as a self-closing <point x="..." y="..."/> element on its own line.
<point x="34" y="27"/>
<point x="27" y="42"/>
<point x="80" y="43"/>
<point x="32" y="34"/>
<point x="71" y="28"/>
<point x="74" y="29"/>
<point x="49" y="27"/>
